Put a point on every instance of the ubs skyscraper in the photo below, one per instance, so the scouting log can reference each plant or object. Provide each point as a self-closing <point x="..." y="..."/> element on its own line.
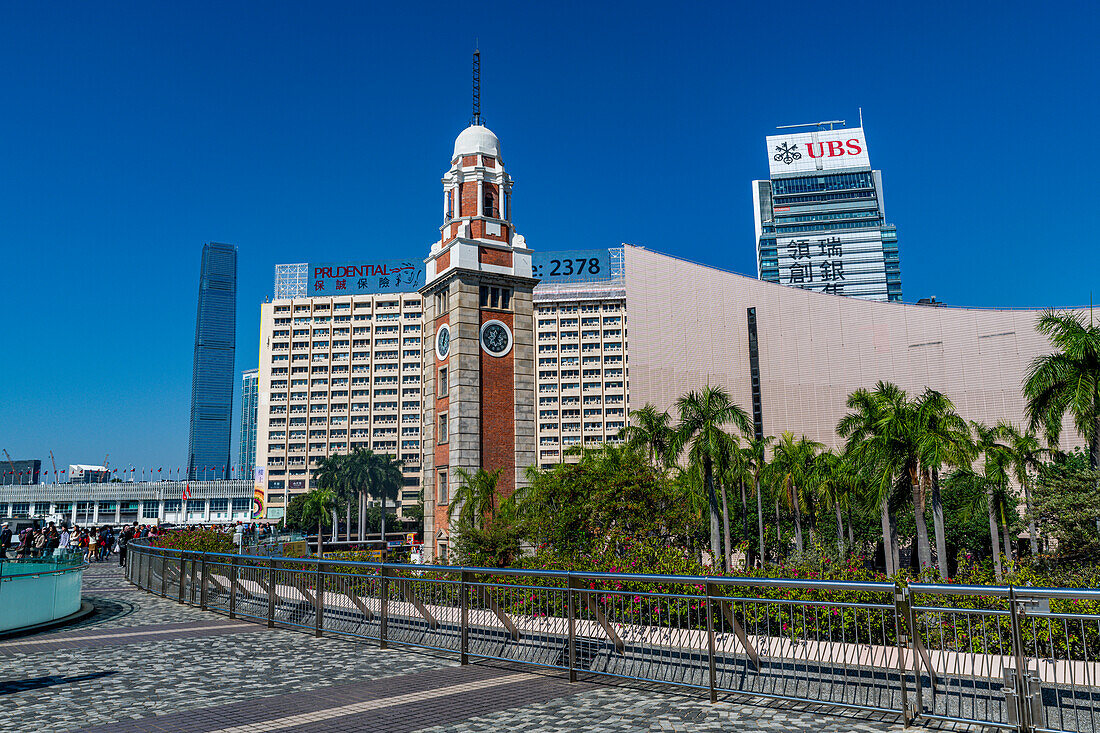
<point x="213" y="375"/>
<point x="820" y="219"/>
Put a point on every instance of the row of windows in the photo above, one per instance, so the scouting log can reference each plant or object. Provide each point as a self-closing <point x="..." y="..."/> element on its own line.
<point x="827" y="227"/>
<point x="583" y="308"/>
<point x="813" y="184"/>
<point x="572" y="322"/>
<point x="821" y="198"/>
<point x="320" y="307"/>
<point x="783" y="221"/>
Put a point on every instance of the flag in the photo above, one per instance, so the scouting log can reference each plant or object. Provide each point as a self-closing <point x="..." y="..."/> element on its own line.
<point x="187" y="491"/>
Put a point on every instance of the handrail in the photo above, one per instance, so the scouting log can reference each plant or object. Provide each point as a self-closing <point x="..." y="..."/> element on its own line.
<point x="36" y="573"/>
<point x="773" y="583"/>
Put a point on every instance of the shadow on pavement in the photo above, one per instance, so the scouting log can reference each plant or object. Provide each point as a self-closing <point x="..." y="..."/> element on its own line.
<point x="35" y="683"/>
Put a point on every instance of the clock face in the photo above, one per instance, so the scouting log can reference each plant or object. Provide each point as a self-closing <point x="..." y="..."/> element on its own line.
<point x="496" y="339"/>
<point x="443" y="342"/>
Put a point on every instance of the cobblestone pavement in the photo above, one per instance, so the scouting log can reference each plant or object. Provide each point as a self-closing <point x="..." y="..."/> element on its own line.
<point x="142" y="663"/>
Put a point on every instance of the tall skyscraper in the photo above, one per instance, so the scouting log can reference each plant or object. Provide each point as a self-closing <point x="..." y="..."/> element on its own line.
<point x="247" y="450"/>
<point x="820" y="219"/>
<point x="212" y="374"/>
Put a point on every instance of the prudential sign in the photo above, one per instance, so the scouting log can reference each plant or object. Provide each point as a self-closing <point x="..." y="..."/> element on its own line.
<point x="820" y="150"/>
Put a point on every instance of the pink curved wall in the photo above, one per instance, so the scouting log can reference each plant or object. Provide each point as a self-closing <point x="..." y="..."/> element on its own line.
<point x="688" y="325"/>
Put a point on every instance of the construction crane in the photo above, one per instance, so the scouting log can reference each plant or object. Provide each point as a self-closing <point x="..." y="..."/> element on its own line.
<point x="106" y="463"/>
<point x="10" y="463"/>
<point x="54" y="467"/>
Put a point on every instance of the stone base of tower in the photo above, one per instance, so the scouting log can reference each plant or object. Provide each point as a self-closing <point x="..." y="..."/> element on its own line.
<point x="489" y="402"/>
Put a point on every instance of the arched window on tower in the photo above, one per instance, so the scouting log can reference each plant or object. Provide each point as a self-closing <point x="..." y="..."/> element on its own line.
<point x="489" y="205"/>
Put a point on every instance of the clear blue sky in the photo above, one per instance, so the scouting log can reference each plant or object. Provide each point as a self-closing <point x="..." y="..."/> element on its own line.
<point x="133" y="132"/>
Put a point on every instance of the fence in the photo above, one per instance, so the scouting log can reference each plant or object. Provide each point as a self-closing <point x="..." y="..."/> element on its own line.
<point x="995" y="656"/>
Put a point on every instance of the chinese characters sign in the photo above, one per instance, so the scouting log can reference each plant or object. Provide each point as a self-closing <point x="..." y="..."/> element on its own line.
<point x="841" y="263"/>
<point x="820" y="150"/>
<point x="571" y="266"/>
<point x="352" y="278"/>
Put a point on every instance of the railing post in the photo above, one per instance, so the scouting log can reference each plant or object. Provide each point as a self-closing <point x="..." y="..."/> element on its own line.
<point x="271" y="592"/>
<point x="571" y="596"/>
<point x="149" y="572"/>
<point x="202" y="583"/>
<point x="384" y="602"/>
<point x="319" y="599"/>
<point x="713" y="664"/>
<point x="183" y="564"/>
<point x="194" y="572"/>
<point x="902" y="642"/>
<point x="233" y="587"/>
<point x="464" y="622"/>
<point x="164" y="575"/>
<point x="1021" y="698"/>
<point x="917" y="649"/>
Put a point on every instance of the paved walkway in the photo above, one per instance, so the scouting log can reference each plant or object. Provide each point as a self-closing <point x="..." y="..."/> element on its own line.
<point x="140" y="663"/>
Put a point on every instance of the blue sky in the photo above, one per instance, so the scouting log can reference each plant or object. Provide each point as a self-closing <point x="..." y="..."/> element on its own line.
<point x="131" y="133"/>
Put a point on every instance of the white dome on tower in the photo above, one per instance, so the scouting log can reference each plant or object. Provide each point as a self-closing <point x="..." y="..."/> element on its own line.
<point x="477" y="139"/>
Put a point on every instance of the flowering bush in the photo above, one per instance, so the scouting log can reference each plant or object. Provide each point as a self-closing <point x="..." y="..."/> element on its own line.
<point x="196" y="540"/>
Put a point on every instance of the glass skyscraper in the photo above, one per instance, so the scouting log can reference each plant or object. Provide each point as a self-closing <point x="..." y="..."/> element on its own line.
<point x="820" y="218"/>
<point x="246" y="460"/>
<point x="213" y="373"/>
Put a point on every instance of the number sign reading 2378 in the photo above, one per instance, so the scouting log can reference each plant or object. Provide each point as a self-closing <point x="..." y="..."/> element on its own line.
<point x="571" y="266"/>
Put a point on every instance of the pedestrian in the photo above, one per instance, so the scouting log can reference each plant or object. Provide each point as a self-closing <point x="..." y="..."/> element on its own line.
<point x="26" y="539"/>
<point x="123" y="540"/>
<point x="53" y="540"/>
<point x="90" y="552"/>
<point x="103" y="543"/>
<point x="5" y="540"/>
<point x="64" y="538"/>
<point x="40" y="541"/>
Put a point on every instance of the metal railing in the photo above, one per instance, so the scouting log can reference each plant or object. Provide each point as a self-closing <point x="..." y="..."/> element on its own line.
<point x="996" y="656"/>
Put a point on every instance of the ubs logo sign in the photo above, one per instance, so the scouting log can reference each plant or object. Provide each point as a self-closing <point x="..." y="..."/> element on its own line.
<point x="787" y="153"/>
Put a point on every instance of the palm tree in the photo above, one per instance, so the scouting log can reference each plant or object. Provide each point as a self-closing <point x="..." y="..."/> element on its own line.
<point x="754" y="459"/>
<point x="704" y="415"/>
<point x="944" y="440"/>
<point x="475" y="501"/>
<point x="861" y="428"/>
<point x="390" y="481"/>
<point x="361" y="471"/>
<point x="900" y="432"/>
<point x="1067" y="381"/>
<point x="839" y="482"/>
<point x="998" y="457"/>
<point x="650" y="431"/>
<point x="792" y="468"/>
<point x="317" y="505"/>
<point x="728" y="471"/>
<point x="331" y="474"/>
<point x="1027" y="454"/>
<point x="692" y="494"/>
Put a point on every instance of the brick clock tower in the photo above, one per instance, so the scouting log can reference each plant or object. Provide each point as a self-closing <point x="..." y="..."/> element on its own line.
<point x="479" y="376"/>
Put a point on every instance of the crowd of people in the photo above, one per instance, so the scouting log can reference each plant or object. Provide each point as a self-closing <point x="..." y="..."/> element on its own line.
<point x="96" y="543"/>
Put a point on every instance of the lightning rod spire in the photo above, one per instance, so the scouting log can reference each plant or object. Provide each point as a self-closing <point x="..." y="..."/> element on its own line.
<point x="477" y="85"/>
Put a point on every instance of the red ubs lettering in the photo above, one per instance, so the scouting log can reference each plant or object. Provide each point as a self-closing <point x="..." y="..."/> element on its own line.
<point x="834" y="148"/>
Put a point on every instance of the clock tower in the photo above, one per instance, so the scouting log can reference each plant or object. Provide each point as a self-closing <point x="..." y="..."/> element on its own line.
<point x="478" y="339"/>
